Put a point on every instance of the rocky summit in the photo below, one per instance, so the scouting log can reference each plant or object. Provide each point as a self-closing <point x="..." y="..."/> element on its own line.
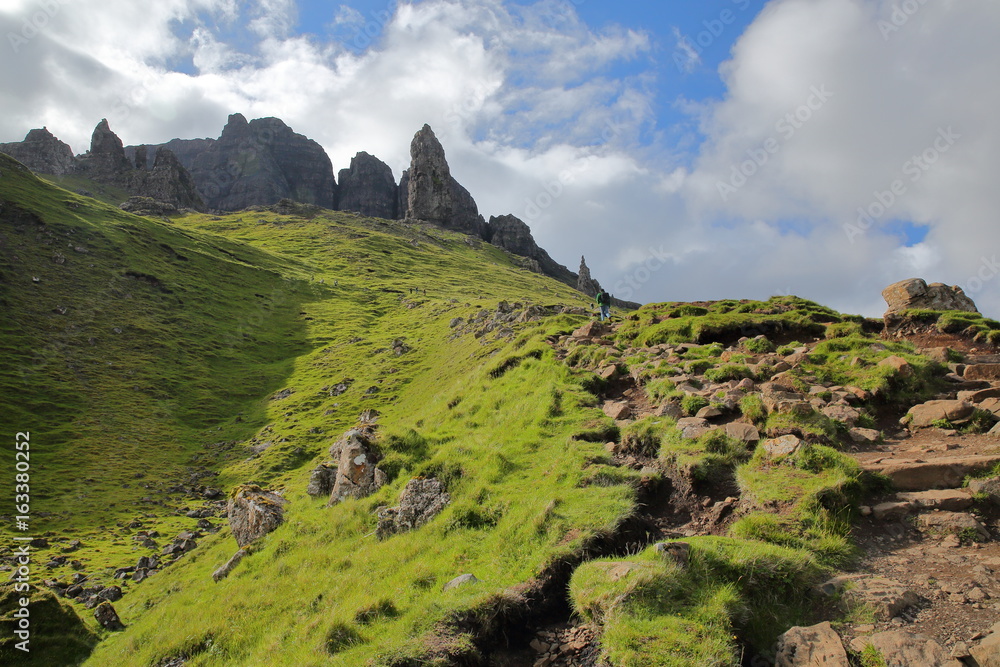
<point x="432" y="193"/>
<point x="291" y="435"/>
<point x="42" y="152"/>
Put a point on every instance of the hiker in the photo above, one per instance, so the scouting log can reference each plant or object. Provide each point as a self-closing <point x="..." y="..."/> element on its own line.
<point x="604" y="303"/>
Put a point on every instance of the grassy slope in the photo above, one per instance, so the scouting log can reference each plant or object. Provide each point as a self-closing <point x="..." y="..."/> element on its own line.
<point x="215" y="316"/>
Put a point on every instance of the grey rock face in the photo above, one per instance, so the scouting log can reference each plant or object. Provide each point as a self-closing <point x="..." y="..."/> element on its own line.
<point x="513" y="235"/>
<point x="105" y="161"/>
<point x="369" y="188"/>
<point x="254" y="512"/>
<point x="42" y="153"/>
<point x="168" y="181"/>
<point x="432" y="193"/>
<point x="914" y="293"/>
<point x="256" y="164"/>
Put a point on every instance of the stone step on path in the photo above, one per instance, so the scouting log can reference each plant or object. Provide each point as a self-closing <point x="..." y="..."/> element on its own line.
<point x="937" y="473"/>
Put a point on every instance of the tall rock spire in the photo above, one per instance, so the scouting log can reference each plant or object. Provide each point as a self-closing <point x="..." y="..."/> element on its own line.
<point x="432" y="193"/>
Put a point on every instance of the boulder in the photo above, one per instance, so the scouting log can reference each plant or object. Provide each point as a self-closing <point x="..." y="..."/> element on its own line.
<point x="949" y="500"/>
<point x="592" y="330"/>
<point x="925" y="414"/>
<point x="747" y="433"/>
<point x="225" y="569"/>
<point x="357" y="473"/>
<point x="459" y="581"/>
<point x="982" y="372"/>
<point x="886" y="598"/>
<point x="955" y="523"/>
<point x="107" y="617"/>
<point x="842" y="413"/>
<point x="321" y="481"/>
<point x="865" y="435"/>
<point x="814" y="646"/>
<point x="617" y="410"/>
<point x="898" y="364"/>
<point x="253" y="513"/>
<point x="987" y="653"/>
<point x="940" y="473"/>
<point x="989" y="486"/>
<point x="786" y="445"/>
<point x="903" y="648"/>
<point x="915" y="293"/>
<point x="421" y="500"/>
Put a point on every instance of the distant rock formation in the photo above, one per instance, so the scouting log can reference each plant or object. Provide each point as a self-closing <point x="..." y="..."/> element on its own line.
<point x="105" y="162"/>
<point x="914" y="293"/>
<point x="514" y="236"/>
<point x="369" y="188"/>
<point x="255" y="164"/>
<point x="168" y="181"/>
<point x="433" y="194"/>
<point x="42" y="153"/>
<point x="584" y="283"/>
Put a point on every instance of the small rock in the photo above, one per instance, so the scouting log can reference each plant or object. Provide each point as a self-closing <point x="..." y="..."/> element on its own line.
<point x="463" y="580"/>
<point x="108" y="617"/>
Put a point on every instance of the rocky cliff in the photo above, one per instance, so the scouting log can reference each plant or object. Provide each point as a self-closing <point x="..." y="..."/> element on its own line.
<point x="433" y="194"/>
<point x="42" y="152"/>
<point x="256" y="163"/>
<point x="105" y="162"/>
<point x="168" y="181"/>
<point x="369" y="188"/>
<point x="513" y="235"/>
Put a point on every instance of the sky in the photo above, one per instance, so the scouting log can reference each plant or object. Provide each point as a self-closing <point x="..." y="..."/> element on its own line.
<point x="690" y="149"/>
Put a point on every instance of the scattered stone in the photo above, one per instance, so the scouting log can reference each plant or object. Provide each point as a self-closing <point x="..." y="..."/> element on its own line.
<point x="887" y="598"/>
<point x="676" y="552"/>
<point x="463" y="580"/>
<point x="915" y="293"/>
<point x="224" y="571"/>
<point x="944" y="472"/>
<point x="747" y="433"/>
<point x="812" y="646"/>
<point x="925" y="414"/>
<point x="786" y="445"/>
<point x="956" y="523"/>
<point x="890" y="511"/>
<point x="900" y="365"/>
<point x="254" y="512"/>
<point x="987" y="372"/>
<point x="951" y="500"/>
<point x="865" y="435"/>
<point x="617" y="410"/>
<point x="898" y="647"/>
<point x="421" y="500"/>
<point x="108" y="617"/>
<point x="321" y="481"/>
<point x="709" y="412"/>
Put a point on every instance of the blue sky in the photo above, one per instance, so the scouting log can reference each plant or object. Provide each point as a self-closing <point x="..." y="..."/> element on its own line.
<point x="742" y="148"/>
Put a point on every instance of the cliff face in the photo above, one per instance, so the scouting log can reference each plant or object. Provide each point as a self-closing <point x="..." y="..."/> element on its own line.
<point x="432" y="193"/>
<point x="168" y="181"/>
<point x="256" y="163"/>
<point x="369" y="188"/>
<point x="43" y="153"/>
<point x="105" y="162"/>
<point x="513" y="235"/>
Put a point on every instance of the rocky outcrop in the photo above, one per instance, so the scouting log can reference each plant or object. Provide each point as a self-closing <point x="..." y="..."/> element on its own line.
<point x="514" y="236"/>
<point x="43" y="153"/>
<point x="914" y="294"/>
<point x="421" y="501"/>
<point x="357" y="473"/>
<point x="369" y="188"/>
<point x="168" y="181"/>
<point x="584" y="283"/>
<point x="105" y="162"/>
<point x="147" y="206"/>
<point x="253" y="513"/>
<point x="255" y="163"/>
<point x="432" y="193"/>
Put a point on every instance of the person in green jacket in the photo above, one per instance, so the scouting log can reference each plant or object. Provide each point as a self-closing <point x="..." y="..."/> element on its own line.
<point x="604" y="303"/>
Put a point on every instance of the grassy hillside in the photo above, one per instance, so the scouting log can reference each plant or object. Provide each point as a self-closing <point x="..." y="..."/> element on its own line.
<point x="160" y="364"/>
<point x="147" y="356"/>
